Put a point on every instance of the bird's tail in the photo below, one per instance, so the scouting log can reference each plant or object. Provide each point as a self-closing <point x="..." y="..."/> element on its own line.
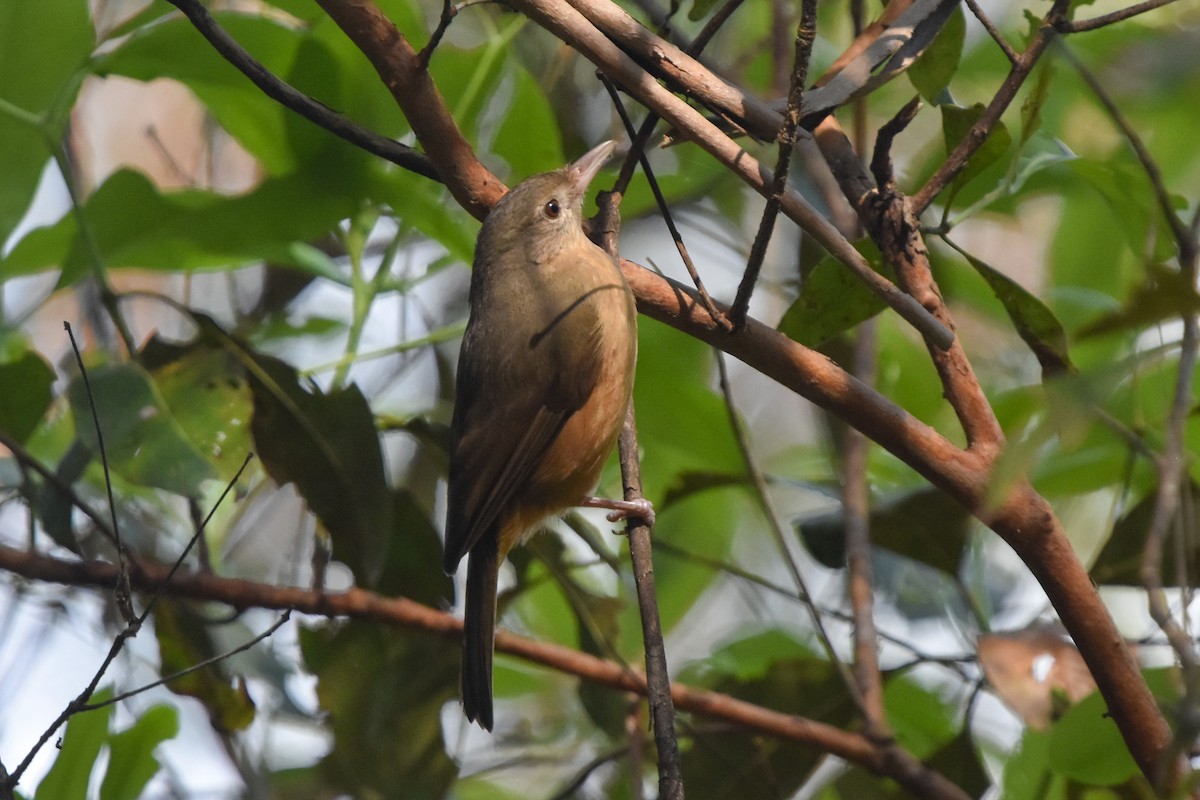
<point x="479" y="630"/>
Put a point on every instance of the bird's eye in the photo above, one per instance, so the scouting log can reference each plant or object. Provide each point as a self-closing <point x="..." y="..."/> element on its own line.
<point x="552" y="209"/>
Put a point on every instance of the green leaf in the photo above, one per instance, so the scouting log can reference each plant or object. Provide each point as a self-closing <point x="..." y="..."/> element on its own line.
<point x="1086" y="746"/>
<point x="1034" y="322"/>
<point x="831" y="301"/>
<point x="174" y="49"/>
<point x="922" y="721"/>
<point x="326" y="444"/>
<point x="137" y="226"/>
<point x="183" y="642"/>
<point x="924" y="525"/>
<point x="779" y="674"/>
<point x="27" y="379"/>
<point x="144" y="443"/>
<point x="384" y="691"/>
<point x="207" y="394"/>
<point x="1123" y="185"/>
<point x="528" y="138"/>
<point x="931" y="73"/>
<point x="131" y="762"/>
<point x="1120" y="562"/>
<point x="44" y="45"/>
<point x="956" y="123"/>
<point x="1166" y="294"/>
<point x="86" y="733"/>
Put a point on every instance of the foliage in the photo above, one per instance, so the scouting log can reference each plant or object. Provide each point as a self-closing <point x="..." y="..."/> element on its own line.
<point x="336" y="372"/>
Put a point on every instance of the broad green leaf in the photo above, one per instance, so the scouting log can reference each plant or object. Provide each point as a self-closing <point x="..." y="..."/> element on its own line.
<point x="831" y="301"/>
<point x="137" y="226"/>
<point x="183" y="642"/>
<point x="925" y="526"/>
<point x="793" y="683"/>
<point x="144" y="442"/>
<point x="1027" y="774"/>
<point x="326" y="444"/>
<point x="85" y="735"/>
<point x="922" y="721"/>
<point x="174" y="49"/>
<point x="131" y="761"/>
<point x="1126" y="190"/>
<point x="44" y="46"/>
<point x="956" y="123"/>
<point x="27" y="381"/>
<point x="528" y="138"/>
<point x="1086" y="746"/>
<point x="207" y="394"/>
<point x="384" y="691"/>
<point x="932" y="72"/>
<point x="1034" y="322"/>
<point x="1166" y="294"/>
<point x="1120" y="562"/>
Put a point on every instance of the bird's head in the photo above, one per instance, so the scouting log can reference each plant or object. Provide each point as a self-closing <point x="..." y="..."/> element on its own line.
<point x="545" y="212"/>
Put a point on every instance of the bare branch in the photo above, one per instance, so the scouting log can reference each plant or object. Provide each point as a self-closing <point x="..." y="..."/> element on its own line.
<point x="405" y="613"/>
<point x="289" y="97"/>
<point x="1079" y="26"/>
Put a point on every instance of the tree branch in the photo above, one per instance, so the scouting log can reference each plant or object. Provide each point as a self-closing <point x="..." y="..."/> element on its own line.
<point x="399" y="66"/>
<point x="290" y="97"/>
<point x="405" y="613"/>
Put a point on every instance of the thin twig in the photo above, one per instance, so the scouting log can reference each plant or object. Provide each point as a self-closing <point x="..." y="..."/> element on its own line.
<point x="1079" y="26"/>
<point x="979" y="132"/>
<point x="404" y="613"/>
<point x="806" y="35"/>
<point x="30" y="461"/>
<point x="123" y="595"/>
<point x="638" y="139"/>
<point x="289" y="97"/>
<point x="449" y="10"/>
<point x="132" y="627"/>
<point x="759" y="482"/>
<point x="658" y="681"/>
<point x="993" y="31"/>
<point x="856" y="499"/>
<point x="208" y="662"/>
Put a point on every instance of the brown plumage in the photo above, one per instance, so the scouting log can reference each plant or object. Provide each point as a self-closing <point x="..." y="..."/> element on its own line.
<point x="544" y="381"/>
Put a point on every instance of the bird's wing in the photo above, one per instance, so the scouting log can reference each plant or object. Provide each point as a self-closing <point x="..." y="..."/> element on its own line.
<point x="507" y="414"/>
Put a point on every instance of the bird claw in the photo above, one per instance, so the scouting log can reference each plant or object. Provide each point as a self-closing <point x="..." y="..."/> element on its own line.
<point x="641" y="509"/>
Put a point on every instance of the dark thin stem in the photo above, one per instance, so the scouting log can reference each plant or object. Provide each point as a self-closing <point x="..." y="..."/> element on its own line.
<point x="195" y="536"/>
<point x="123" y="594"/>
<point x="1079" y="26"/>
<point x="289" y="97"/>
<point x="29" y="461"/>
<point x="993" y="31"/>
<point x="638" y="139"/>
<point x="208" y="662"/>
<point x="978" y="134"/>
<point x="1183" y="238"/>
<point x="658" y="681"/>
<point x="806" y="34"/>
<point x="856" y="498"/>
<point x="759" y="482"/>
<point x="449" y="10"/>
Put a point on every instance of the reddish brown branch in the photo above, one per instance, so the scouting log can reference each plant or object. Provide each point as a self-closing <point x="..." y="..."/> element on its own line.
<point x="1025" y="520"/>
<point x="405" y="613"/>
<point x="979" y="132"/>
<point x="399" y="66"/>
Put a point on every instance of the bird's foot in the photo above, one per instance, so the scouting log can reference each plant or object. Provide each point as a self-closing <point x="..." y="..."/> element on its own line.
<point x="641" y="508"/>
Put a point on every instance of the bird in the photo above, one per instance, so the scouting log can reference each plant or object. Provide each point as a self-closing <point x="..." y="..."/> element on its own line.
<point x="544" y="380"/>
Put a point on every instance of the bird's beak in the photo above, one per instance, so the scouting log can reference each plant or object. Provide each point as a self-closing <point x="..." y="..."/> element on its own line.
<point x="584" y="170"/>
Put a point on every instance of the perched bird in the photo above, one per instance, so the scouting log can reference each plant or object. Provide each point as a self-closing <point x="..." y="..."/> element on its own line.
<point x="544" y="381"/>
